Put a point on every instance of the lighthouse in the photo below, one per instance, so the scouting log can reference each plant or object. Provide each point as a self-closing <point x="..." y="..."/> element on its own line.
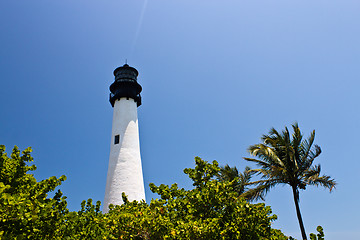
<point x="125" y="170"/>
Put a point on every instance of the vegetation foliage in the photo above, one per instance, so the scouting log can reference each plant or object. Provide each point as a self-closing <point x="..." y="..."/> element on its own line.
<point x="25" y="210"/>
<point x="285" y="158"/>
<point x="211" y="210"/>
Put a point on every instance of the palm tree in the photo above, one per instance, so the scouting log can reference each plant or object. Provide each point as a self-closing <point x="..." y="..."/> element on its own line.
<point x="287" y="160"/>
<point x="228" y="173"/>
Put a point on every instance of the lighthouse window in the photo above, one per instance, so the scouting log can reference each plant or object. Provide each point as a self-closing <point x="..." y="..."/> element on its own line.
<point x="117" y="139"/>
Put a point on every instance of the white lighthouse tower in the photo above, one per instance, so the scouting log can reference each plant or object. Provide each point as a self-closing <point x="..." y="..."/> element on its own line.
<point x="125" y="171"/>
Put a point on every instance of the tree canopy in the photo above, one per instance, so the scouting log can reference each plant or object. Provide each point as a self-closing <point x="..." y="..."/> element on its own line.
<point x="26" y="212"/>
<point x="287" y="159"/>
<point x="211" y="210"/>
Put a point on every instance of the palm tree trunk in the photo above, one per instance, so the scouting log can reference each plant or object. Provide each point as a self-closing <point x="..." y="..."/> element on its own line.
<point x="302" y="228"/>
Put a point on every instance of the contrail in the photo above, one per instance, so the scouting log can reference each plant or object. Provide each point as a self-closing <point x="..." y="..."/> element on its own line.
<point x="139" y="27"/>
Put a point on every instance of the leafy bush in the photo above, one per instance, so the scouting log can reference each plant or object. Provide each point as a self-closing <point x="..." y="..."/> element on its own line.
<point x="211" y="210"/>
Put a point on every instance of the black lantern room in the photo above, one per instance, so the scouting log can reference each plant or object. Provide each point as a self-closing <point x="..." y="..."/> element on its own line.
<point x="125" y="85"/>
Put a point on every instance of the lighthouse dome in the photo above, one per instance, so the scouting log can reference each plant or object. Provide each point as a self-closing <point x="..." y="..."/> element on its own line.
<point x="125" y="85"/>
<point x="126" y="73"/>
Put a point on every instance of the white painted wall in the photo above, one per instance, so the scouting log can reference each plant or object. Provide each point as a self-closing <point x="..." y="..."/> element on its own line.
<point x="124" y="171"/>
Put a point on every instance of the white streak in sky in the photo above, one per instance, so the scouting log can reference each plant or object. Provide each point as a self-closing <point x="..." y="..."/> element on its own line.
<point x="138" y="27"/>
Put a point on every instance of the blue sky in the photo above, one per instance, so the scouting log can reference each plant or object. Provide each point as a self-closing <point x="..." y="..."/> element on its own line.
<point x="216" y="75"/>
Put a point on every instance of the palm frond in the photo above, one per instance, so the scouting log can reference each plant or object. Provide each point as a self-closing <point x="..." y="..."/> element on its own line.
<point x="307" y="144"/>
<point x="240" y="180"/>
<point x="312" y="177"/>
<point x="259" y="192"/>
<point x="260" y="163"/>
<point x="265" y="182"/>
<point x="313" y="172"/>
<point x="297" y="136"/>
<point x="270" y="175"/>
<point x="325" y="181"/>
<point x="308" y="152"/>
<point x="265" y="153"/>
<point x="265" y="173"/>
<point x="312" y="155"/>
<point x="228" y="173"/>
<point x="246" y="175"/>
